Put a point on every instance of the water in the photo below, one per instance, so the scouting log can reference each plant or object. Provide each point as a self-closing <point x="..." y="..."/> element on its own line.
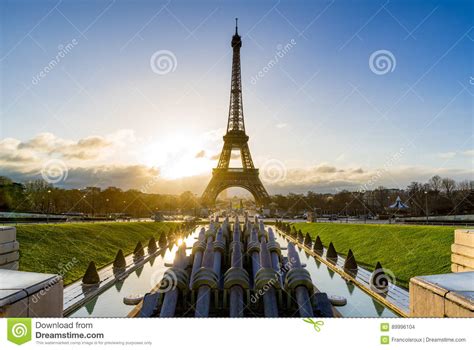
<point x="110" y="302"/>
<point x="359" y="304"/>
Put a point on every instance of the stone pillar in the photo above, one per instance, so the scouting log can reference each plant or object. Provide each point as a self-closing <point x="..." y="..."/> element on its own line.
<point x="462" y="251"/>
<point x="446" y="295"/>
<point x="30" y="294"/>
<point x="9" y="248"/>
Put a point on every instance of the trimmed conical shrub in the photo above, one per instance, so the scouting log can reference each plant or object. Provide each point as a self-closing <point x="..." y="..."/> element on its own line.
<point x="300" y="236"/>
<point x="318" y="246"/>
<point x="350" y="265"/>
<point x="294" y="233"/>
<point x="379" y="279"/>
<point x="152" y="245"/>
<point x="138" y="252"/>
<point x="119" y="262"/>
<point x="331" y="253"/>
<point x="91" y="276"/>
<point x="162" y="241"/>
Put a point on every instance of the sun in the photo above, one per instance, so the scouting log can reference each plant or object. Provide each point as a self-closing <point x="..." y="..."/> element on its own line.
<point x="177" y="157"/>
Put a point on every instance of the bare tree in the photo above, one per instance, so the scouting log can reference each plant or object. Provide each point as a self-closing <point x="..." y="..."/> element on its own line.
<point x="436" y="183"/>
<point x="449" y="185"/>
<point x="464" y="186"/>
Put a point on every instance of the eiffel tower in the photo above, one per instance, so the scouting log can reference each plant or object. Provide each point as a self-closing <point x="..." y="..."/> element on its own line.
<point x="235" y="139"/>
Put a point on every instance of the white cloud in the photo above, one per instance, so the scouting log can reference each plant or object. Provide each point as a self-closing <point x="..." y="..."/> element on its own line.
<point x="47" y="145"/>
<point x="469" y="153"/>
<point x="185" y="163"/>
<point x="447" y="155"/>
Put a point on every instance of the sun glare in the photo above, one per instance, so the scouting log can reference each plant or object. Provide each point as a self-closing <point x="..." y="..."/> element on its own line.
<point x="177" y="156"/>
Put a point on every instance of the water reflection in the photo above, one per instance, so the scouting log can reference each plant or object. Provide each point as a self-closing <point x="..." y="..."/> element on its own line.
<point x="118" y="285"/>
<point x="110" y="302"/>
<point x="91" y="305"/>
<point x="138" y="271"/>
<point x="350" y="287"/>
<point x="378" y="307"/>
<point x="359" y="304"/>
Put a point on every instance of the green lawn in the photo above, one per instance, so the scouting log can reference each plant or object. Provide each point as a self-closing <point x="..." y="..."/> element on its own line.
<point x="406" y="250"/>
<point x="68" y="248"/>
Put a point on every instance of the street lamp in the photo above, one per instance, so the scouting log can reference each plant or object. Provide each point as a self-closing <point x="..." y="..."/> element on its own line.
<point x="426" y="206"/>
<point x="387" y="211"/>
<point x="347" y="218"/>
<point x="49" y="204"/>
<point x="107" y="208"/>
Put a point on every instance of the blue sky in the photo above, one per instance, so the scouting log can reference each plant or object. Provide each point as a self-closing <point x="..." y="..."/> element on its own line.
<point x="320" y="112"/>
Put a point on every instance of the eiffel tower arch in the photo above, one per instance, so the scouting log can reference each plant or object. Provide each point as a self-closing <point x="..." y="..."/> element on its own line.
<point x="235" y="139"/>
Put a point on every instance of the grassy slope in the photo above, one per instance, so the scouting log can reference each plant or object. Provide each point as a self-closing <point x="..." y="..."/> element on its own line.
<point x="406" y="250"/>
<point x="50" y="248"/>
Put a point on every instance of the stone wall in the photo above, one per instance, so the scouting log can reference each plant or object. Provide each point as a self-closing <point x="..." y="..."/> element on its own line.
<point x="462" y="251"/>
<point x="9" y="248"/>
<point x="447" y="295"/>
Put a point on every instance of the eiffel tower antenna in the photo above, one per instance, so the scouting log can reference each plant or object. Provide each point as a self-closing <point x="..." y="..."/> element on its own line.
<point x="235" y="139"/>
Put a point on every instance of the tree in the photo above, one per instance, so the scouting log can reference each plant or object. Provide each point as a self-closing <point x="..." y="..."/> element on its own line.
<point x="449" y="186"/>
<point x="436" y="183"/>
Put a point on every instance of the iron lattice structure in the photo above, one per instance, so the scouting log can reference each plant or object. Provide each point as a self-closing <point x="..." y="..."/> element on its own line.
<point x="235" y="139"/>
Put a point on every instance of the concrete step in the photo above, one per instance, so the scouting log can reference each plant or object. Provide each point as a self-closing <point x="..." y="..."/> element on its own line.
<point x="464" y="237"/>
<point x="459" y="268"/>
<point x="464" y="250"/>
<point x="446" y="295"/>
<point x="9" y="257"/>
<point x="462" y="260"/>
<point x="9" y="247"/>
<point x="7" y="234"/>
<point x="10" y="266"/>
